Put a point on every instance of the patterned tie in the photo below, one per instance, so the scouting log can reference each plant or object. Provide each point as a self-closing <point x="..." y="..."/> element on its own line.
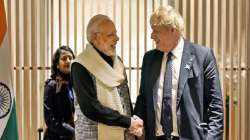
<point x="166" y="115"/>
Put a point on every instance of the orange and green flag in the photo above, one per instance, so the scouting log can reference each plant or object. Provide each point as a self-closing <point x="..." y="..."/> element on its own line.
<point x="8" y="123"/>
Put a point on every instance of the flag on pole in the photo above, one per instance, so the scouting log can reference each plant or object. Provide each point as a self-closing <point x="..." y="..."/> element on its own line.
<point x="8" y="123"/>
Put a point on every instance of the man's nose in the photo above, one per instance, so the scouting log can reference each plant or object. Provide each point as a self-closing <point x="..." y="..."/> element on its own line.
<point x="152" y="36"/>
<point x="116" y="38"/>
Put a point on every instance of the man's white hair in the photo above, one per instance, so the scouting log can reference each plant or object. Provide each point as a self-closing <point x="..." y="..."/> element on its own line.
<point x="94" y="23"/>
<point x="167" y="16"/>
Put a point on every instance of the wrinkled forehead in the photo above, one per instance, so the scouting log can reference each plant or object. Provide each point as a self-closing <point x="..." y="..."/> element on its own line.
<point x="107" y="27"/>
<point x="160" y="27"/>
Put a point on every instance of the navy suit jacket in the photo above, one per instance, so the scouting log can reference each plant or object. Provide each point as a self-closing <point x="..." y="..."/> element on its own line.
<point x="199" y="98"/>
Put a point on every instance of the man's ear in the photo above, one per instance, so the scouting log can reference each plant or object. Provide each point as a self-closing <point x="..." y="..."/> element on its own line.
<point x="173" y="29"/>
<point x="94" y="36"/>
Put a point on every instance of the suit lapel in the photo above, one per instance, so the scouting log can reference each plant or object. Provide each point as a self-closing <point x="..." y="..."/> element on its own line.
<point x="186" y="65"/>
<point x="156" y="66"/>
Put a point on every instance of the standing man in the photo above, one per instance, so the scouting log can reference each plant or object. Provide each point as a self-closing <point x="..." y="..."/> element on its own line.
<point x="100" y="84"/>
<point x="180" y="96"/>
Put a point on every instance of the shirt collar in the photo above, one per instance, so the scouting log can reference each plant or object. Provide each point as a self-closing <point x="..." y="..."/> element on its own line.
<point x="177" y="51"/>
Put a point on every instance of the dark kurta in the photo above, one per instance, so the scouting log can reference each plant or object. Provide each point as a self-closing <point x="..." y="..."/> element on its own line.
<point x="83" y="85"/>
<point x="85" y="90"/>
<point x="89" y="110"/>
<point x="87" y="98"/>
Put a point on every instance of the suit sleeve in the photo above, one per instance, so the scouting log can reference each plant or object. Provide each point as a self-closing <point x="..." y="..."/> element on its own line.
<point x="140" y="108"/>
<point x="83" y="85"/>
<point x="55" y="125"/>
<point x="214" y="100"/>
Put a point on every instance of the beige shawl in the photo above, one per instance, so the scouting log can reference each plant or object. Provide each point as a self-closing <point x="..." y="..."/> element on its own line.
<point x="107" y="80"/>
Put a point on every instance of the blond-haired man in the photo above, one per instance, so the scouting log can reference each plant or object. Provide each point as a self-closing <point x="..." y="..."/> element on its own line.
<point x="180" y="96"/>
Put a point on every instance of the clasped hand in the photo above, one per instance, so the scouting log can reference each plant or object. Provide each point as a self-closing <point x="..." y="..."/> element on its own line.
<point x="136" y="126"/>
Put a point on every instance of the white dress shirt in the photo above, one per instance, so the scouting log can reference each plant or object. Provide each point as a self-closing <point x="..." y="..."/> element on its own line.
<point x="176" y="59"/>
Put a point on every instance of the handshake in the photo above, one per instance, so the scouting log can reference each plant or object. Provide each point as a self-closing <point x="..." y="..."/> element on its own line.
<point x="136" y="126"/>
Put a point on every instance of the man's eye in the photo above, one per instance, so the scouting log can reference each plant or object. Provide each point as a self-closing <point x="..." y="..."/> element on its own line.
<point x="111" y="35"/>
<point x="156" y="31"/>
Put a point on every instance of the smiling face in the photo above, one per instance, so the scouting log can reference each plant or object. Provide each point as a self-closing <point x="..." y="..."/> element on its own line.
<point x="65" y="60"/>
<point x="105" y="39"/>
<point x="165" y="37"/>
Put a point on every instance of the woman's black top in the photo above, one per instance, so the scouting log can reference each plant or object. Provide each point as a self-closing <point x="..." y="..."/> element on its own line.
<point x="58" y="111"/>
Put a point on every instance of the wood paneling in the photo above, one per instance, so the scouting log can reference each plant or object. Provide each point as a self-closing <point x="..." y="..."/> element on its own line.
<point x="38" y="27"/>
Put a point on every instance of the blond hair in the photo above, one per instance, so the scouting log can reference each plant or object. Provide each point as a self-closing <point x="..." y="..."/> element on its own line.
<point x="167" y="16"/>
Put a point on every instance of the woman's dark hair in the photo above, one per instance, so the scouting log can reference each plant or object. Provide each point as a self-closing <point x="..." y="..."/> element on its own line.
<point x="55" y="60"/>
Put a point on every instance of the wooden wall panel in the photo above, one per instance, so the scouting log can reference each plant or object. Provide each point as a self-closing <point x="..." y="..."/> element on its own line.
<point x="38" y="27"/>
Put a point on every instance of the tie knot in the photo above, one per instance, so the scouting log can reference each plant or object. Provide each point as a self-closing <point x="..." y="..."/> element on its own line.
<point x="170" y="54"/>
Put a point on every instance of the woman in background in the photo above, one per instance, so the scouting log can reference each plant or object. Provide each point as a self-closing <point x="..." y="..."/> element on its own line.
<point x="59" y="98"/>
